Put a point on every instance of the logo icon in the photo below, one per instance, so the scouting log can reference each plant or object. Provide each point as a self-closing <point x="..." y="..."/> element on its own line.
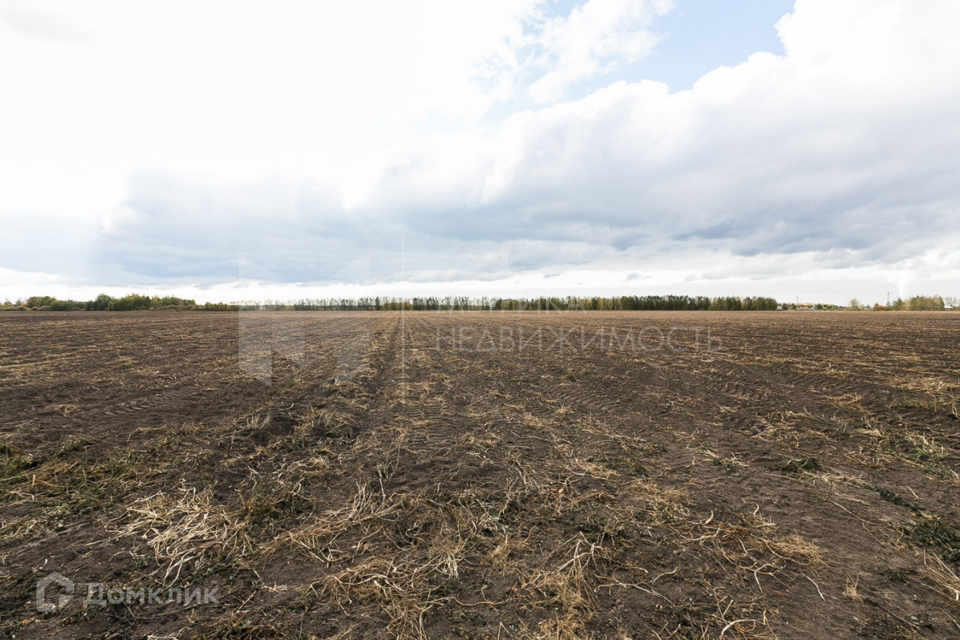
<point x="54" y="578"/>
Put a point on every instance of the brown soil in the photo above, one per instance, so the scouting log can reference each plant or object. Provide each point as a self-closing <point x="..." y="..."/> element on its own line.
<point x="349" y="475"/>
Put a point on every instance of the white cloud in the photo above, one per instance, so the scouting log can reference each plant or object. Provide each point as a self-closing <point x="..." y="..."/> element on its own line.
<point x="592" y="40"/>
<point x="31" y="22"/>
<point x="231" y="88"/>
<point x="837" y="144"/>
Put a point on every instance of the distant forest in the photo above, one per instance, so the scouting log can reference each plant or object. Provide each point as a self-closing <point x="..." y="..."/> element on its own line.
<point x="138" y="302"/>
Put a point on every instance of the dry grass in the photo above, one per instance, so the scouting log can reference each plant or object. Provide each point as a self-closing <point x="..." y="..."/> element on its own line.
<point x="317" y="537"/>
<point x="851" y="590"/>
<point x="794" y="547"/>
<point x="362" y="539"/>
<point x="942" y="575"/>
<point x="187" y="531"/>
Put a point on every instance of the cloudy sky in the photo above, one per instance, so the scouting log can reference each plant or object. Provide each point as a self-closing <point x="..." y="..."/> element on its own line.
<point x="231" y="151"/>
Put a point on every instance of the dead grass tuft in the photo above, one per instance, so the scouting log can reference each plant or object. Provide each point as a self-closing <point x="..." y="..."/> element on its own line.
<point x="796" y="548"/>
<point x="186" y="531"/>
<point x="944" y="576"/>
<point x="851" y="590"/>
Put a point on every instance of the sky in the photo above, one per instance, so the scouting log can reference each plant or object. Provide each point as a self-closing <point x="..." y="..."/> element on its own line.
<point x="243" y="151"/>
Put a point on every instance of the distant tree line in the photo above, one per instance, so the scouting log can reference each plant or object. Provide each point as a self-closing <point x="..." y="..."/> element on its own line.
<point x="641" y="303"/>
<point x="103" y="302"/>
<point x="924" y="303"/>
<point x="138" y="302"/>
<point x="916" y="303"/>
<point x="570" y="303"/>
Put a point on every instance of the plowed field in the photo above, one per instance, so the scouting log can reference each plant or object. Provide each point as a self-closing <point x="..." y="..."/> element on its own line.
<point x="480" y="475"/>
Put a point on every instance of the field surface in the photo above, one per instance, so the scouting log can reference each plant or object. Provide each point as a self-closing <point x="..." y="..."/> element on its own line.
<point x="480" y="475"/>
